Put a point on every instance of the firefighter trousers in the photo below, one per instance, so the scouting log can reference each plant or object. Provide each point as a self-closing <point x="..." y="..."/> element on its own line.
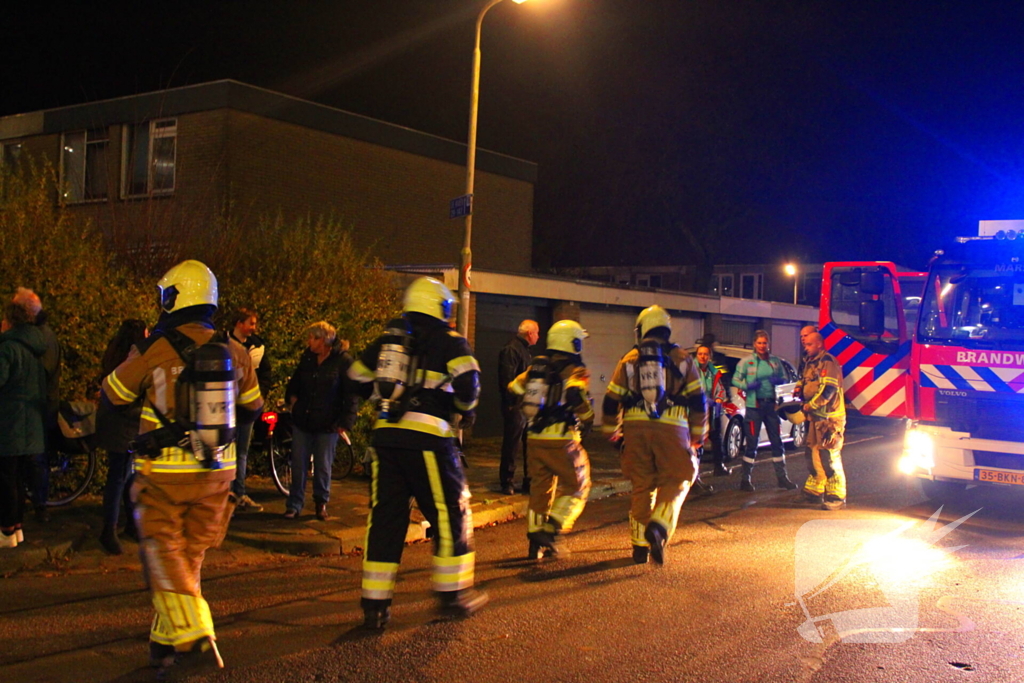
<point x="657" y="459"/>
<point x="824" y="458"/>
<point x="177" y="523"/>
<point x="437" y="482"/>
<point x="561" y="468"/>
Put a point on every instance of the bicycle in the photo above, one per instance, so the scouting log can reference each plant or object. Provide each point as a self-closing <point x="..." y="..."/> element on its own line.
<point x="278" y="446"/>
<point x="71" y="460"/>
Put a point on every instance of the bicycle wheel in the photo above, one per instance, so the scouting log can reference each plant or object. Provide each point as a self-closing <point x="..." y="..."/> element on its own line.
<point x="71" y="473"/>
<point x="280" y="465"/>
<point x="344" y="458"/>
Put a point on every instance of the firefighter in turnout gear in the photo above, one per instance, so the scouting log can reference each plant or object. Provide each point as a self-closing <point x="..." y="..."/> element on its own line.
<point x="184" y="456"/>
<point x="822" y="388"/>
<point x="664" y="421"/>
<point x="414" y="453"/>
<point x="558" y="382"/>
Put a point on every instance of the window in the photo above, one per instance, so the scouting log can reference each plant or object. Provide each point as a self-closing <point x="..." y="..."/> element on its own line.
<point x="750" y="286"/>
<point x="642" y="281"/>
<point x="860" y="296"/>
<point x="714" y="285"/>
<point x="83" y="166"/>
<point x="11" y="155"/>
<point x="149" y="158"/>
<point x="726" y="285"/>
<point x="811" y="290"/>
<point x="655" y="281"/>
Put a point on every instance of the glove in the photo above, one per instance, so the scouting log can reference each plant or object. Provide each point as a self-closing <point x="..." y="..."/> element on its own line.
<point x="753" y="385"/>
<point x="776" y="381"/>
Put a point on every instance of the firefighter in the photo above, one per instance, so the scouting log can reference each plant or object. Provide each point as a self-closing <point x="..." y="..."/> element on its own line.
<point x="758" y="375"/>
<point x="182" y="488"/>
<point x="663" y="424"/>
<point x="822" y="388"/>
<point x="425" y="374"/>
<point x="555" y="401"/>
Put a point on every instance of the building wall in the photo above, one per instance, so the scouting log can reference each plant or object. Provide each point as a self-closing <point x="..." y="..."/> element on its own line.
<point x="396" y="202"/>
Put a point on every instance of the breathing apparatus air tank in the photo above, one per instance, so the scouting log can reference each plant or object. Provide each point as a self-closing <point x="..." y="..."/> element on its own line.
<point x="650" y="370"/>
<point x="537" y="387"/>
<point x="211" y="395"/>
<point x="394" y="363"/>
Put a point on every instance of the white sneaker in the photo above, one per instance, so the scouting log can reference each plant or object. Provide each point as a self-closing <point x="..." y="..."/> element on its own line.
<point x="8" y="541"/>
<point x="247" y="504"/>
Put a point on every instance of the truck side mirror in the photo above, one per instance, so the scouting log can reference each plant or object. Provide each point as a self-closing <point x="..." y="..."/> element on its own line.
<point x="872" y="318"/>
<point x="872" y="283"/>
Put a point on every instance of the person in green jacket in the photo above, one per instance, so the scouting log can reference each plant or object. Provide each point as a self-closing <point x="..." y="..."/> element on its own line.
<point x="758" y="375"/>
<point x="22" y="412"/>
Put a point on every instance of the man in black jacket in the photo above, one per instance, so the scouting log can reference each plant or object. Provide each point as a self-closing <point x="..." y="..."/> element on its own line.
<point x="513" y="360"/>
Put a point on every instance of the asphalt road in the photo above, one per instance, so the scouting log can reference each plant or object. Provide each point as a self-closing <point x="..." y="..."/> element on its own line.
<point x="895" y="600"/>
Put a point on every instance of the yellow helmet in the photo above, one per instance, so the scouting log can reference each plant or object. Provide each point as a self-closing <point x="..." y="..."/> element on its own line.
<point x="650" y="318"/>
<point x="430" y="297"/>
<point x="567" y="336"/>
<point x="190" y="283"/>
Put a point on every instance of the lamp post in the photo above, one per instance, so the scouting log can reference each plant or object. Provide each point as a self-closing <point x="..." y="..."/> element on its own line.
<point x="465" y="272"/>
<point x="791" y="271"/>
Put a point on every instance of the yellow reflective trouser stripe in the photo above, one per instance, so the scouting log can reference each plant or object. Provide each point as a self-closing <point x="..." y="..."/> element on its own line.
<point x="566" y="510"/>
<point x="419" y="422"/>
<point x="379" y="579"/>
<point x="534" y="521"/>
<point x="667" y="513"/>
<point x="180" y="618"/>
<point x="453" y="573"/>
<point x="120" y="389"/>
<point x="446" y="544"/>
<point x="636" y="533"/>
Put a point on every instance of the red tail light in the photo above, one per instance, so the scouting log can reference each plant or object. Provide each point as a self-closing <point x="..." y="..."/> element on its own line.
<point x="270" y="418"/>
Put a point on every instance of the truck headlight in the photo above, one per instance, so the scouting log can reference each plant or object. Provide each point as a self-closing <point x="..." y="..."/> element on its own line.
<point x="918" y="452"/>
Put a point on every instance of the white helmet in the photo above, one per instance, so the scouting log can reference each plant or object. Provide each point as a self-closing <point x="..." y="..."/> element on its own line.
<point x="190" y="283"/>
<point x="430" y="297"/>
<point x="650" y="318"/>
<point x="566" y="336"/>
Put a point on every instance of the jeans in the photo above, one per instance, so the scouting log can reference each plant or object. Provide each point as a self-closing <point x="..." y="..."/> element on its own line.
<point x="243" y="437"/>
<point x="119" y="473"/>
<point x="321" y="445"/>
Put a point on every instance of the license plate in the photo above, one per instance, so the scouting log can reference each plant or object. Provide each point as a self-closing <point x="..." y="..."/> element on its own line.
<point x="994" y="477"/>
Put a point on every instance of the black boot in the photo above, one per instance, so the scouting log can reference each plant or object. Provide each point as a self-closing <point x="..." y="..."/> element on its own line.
<point x="108" y="539"/>
<point x="721" y="470"/>
<point x="745" y="483"/>
<point x="656" y="535"/>
<point x="376" y="613"/>
<point x="640" y="554"/>
<point x="462" y="603"/>
<point x="783" y="477"/>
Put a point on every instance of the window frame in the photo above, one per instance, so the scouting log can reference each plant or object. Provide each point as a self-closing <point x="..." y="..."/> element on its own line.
<point x="722" y="278"/>
<point x="758" y="285"/>
<point x="154" y="132"/>
<point x="84" y="172"/>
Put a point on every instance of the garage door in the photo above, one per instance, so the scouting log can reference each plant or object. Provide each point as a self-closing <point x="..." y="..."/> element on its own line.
<point x="497" y="319"/>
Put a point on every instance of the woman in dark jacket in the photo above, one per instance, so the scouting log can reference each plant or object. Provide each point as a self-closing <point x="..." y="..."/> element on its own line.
<point x="115" y="429"/>
<point x="322" y="408"/>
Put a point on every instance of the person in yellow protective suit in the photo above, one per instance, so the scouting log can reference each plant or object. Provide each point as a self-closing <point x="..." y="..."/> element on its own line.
<point x="555" y="399"/>
<point x="182" y="491"/>
<point x="663" y="424"/>
<point x="822" y="388"/>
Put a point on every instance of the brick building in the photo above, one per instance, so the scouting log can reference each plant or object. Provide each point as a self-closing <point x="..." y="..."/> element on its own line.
<point x="151" y="166"/>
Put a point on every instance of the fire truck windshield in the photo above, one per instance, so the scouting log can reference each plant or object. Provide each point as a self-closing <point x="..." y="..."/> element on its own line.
<point x="973" y="306"/>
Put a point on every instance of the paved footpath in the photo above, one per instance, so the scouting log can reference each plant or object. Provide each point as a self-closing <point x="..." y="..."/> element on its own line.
<point x="68" y="541"/>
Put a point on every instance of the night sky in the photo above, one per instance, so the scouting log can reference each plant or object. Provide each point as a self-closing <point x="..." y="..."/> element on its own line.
<point x="667" y="131"/>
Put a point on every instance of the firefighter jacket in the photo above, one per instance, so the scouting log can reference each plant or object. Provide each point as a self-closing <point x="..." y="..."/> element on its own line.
<point x="151" y="370"/>
<point x="572" y="415"/>
<point x="447" y="381"/>
<point x="767" y="373"/>
<point x="822" y="386"/>
<point x="683" y="390"/>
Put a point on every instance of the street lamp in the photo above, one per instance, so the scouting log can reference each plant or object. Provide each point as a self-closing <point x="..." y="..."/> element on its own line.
<point x="791" y="271"/>
<point x="467" y="252"/>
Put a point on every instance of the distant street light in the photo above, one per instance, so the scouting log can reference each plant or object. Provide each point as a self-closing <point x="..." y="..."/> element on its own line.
<point x="467" y="252"/>
<point x="791" y="271"/>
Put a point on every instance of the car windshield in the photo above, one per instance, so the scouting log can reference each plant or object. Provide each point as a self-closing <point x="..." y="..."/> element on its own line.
<point x="975" y="307"/>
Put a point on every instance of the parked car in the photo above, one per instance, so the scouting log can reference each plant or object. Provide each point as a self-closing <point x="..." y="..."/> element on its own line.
<point x="733" y="410"/>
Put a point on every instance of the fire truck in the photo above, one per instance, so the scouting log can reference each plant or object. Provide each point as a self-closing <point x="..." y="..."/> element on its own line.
<point x="942" y="350"/>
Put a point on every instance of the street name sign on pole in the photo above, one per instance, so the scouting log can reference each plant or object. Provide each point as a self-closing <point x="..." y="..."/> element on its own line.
<point x="461" y="206"/>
